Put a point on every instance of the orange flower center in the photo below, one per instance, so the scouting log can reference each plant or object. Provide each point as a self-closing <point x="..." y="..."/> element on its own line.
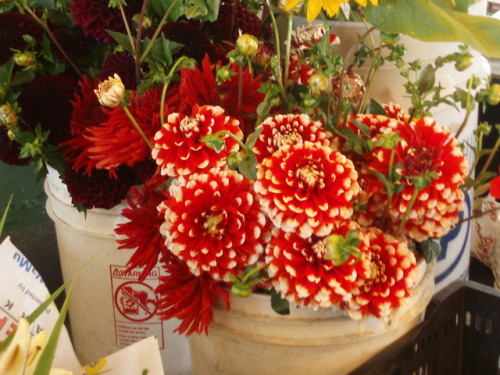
<point x="189" y="124"/>
<point x="310" y="177"/>
<point x="286" y="138"/>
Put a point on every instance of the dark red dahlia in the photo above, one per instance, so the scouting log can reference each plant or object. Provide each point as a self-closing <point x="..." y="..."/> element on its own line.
<point x="95" y="17"/>
<point x="234" y="19"/>
<point x="189" y="298"/>
<point x="214" y="223"/>
<point x="74" y="42"/>
<point x="12" y="28"/>
<point x="195" y="42"/>
<point x="9" y="150"/>
<point x="47" y="100"/>
<point x="123" y="64"/>
<point x="98" y="190"/>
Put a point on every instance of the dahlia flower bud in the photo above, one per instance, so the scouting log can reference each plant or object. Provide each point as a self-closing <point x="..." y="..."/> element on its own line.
<point x="11" y="135"/>
<point x="493" y="94"/>
<point x="146" y="21"/>
<point x="24" y="59"/>
<point x="111" y="92"/>
<point x="8" y="116"/>
<point x="318" y="83"/>
<point x="247" y="44"/>
<point x="464" y="61"/>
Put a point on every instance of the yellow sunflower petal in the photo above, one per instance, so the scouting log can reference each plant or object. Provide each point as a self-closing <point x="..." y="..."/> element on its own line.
<point x="332" y="7"/>
<point x="313" y="8"/>
<point x="290" y="4"/>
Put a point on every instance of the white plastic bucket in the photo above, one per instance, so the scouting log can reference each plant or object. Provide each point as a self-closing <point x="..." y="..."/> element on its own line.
<point x="251" y="338"/>
<point x="109" y="308"/>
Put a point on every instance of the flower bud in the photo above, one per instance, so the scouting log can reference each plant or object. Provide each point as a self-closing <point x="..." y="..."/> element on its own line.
<point x="146" y="21"/>
<point x="8" y="116"/>
<point x="389" y="38"/>
<point x="247" y="44"/>
<point x="24" y="59"/>
<point x="318" y="83"/>
<point x="463" y="62"/>
<point x="111" y="92"/>
<point x="493" y="95"/>
<point x="11" y="135"/>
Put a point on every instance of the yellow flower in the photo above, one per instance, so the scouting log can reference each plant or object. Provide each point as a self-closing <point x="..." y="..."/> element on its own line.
<point x="331" y="7"/>
<point x="111" y="92"/>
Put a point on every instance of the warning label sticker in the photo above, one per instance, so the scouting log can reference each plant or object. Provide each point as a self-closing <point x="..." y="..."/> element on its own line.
<point x="135" y="306"/>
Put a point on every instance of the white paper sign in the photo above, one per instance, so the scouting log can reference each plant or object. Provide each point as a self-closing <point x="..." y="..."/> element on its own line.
<point x="22" y="290"/>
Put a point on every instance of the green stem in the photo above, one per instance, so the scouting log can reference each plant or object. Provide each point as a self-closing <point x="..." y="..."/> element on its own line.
<point x="157" y="31"/>
<point x="136" y="125"/>
<point x="138" y="41"/>
<point x="127" y="28"/>
<point x="277" y="46"/>
<point x="486" y="165"/>
<point x="476" y="216"/>
<point x="468" y="109"/>
<point x="252" y="272"/>
<point x="288" y="47"/>
<point x="165" y="87"/>
<point x="407" y="212"/>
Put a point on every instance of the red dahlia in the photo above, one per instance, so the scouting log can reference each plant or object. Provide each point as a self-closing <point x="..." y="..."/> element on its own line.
<point x="178" y="148"/>
<point x="301" y="270"/>
<point x="392" y="275"/>
<point x="433" y="169"/>
<point x="290" y="129"/>
<point x="142" y="230"/>
<point x="189" y="298"/>
<point x="214" y="223"/>
<point x="307" y="188"/>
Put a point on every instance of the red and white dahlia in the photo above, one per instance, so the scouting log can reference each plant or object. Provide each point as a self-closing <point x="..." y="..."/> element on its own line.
<point x="179" y="149"/>
<point x="307" y="188"/>
<point x="305" y="273"/>
<point x="281" y="130"/>
<point x="433" y="170"/>
<point x="214" y="223"/>
<point x="392" y="275"/>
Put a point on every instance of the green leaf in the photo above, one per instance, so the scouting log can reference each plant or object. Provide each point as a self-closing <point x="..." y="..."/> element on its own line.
<point x="279" y="304"/>
<point x="252" y="138"/>
<point x="431" y="22"/>
<point x="215" y="141"/>
<point x="430" y="250"/>
<point x="426" y="79"/>
<point x="47" y="4"/>
<point x="159" y="7"/>
<point x="203" y="10"/>
<point x="121" y="39"/>
<point x="4" y="216"/>
<point x="37" y="312"/>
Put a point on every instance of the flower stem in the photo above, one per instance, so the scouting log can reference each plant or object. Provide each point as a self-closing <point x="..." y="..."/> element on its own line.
<point x="486" y="165"/>
<point x="252" y="272"/>
<point x="478" y="215"/>
<point x="137" y="54"/>
<point x="157" y="31"/>
<point x="165" y="87"/>
<point x="468" y="110"/>
<point x="127" y="27"/>
<point x="138" y="128"/>
<point x="51" y="36"/>
<point x="288" y="47"/>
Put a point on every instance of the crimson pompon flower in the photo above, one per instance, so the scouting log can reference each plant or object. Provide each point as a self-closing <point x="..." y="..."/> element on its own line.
<point x="433" y="169"/>
<point x="392" y="276"/>
<point x="96" y="17"/>
<point x="189" y="298"/>
<point x="142" y="230"/>
<point x="13" y="26"/>
<point x="495" y="186"/>
<point x="10" y="150"/>
<point x="307" y="188"/>
<point x="214" y="223"/>
<point x="289" y="129"/>
<point x="308" y="273"/>
<point x="178" y="147"/>
<point x="47" y="100"/>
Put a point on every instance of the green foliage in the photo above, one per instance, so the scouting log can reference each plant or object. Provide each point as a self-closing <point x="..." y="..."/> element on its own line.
<point x="279" y="304"/>
<point x="443" y="21"/>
